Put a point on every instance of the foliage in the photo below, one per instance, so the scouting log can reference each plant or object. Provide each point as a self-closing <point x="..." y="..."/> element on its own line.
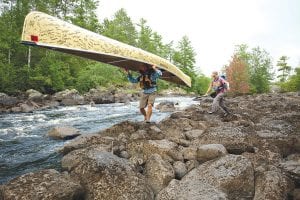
<point x="283" y="68"/>
<point x="99" y="74"/>
<point x="259" y="66"/>
<point x="120" y="28"/>
<point x="293" y="83"/>
<point x="238" y="76"/>
<point x="50" y="71"/>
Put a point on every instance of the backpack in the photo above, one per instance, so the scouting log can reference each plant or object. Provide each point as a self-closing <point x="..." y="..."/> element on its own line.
<point x="146" y="82"/>
<point x="225" y="85"/>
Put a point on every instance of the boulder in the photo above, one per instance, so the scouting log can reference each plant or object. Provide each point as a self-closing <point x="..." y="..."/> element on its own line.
<point x="188" y="190"/>
<point x="34" y="95"/>
<point x="7" y="101"/>
<point x="86" y="140"/>
<point x="69" y="97"/>
<point x="291" y="166"/>
<point x="272" y="185"/>
<point x="28" y="106"/>
<point x="43" y="185"/>
<point x="166" y="149"/>
<point x="106" y="176"/>
<point x="232" y="174"/>
<point x="166" y="106"/>
<point x="189" y="153"/>
<point x="210" y="151"/>
<point x="63" y="133"/>
<point x="158" y="173"/>
<point x="180" y="169"/>
<point x="194" y="134"/>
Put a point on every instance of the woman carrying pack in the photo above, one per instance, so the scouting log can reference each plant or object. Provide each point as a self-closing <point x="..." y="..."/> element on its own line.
<point x="219" y="86"/>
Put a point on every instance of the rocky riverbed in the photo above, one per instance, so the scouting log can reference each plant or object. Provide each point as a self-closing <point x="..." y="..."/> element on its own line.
<point x="251" y="154"/>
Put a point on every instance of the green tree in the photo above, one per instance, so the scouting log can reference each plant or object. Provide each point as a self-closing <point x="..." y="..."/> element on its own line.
<point x="259" y="67"/>
<point x="283" y="68"/>
<point x="184" y="56"/>
<point x="120" y="28"/>
<point x="84" y="15"/>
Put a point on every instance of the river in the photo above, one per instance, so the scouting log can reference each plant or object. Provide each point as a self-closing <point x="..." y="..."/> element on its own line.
<point x="25" y="147"/>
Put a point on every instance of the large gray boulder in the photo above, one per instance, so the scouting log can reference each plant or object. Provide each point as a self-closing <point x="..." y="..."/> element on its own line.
<point x="63" y="133"/>
<point x="232" y="174"/>
<point x="6" y="100"/>
<point x="43" y="185"/>
<point x="166" y="149"/>
<point x="158" y="173"/>
<point x="166" y="106"/>
<point x="34" y="95"/>
<point x="69" y="97"/>
<point x="291" y="166"/>
<point x="272" y="185"/>
<point x="210" y="151"/>
<point x="106" y="176"/>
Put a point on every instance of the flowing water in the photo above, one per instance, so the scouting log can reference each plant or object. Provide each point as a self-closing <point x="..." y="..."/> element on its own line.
<point x="25" y="147"/>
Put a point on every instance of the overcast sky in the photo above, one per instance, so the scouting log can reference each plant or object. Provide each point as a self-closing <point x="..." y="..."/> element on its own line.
<point x="216" y="26"/>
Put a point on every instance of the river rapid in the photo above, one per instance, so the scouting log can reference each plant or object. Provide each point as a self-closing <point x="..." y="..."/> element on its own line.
<point x="25" y="147"/>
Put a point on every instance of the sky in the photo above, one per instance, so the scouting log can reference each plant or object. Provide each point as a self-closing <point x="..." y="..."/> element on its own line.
<point x="215" y="27"/>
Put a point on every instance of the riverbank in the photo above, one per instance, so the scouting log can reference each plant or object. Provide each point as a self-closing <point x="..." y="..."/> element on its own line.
<point x="251" y="154"/>
<point x="33" y="100"/>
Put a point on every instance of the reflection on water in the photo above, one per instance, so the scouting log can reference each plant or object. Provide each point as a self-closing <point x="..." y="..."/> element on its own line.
<point x="24" y="146"/>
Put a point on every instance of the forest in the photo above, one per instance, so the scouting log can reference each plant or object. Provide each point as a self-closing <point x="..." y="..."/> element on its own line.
<point x="250" y="70"/>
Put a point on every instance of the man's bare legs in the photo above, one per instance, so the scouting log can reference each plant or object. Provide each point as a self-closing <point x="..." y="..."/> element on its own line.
<point x="148" y="114"/>
<point x="143" y="111"/>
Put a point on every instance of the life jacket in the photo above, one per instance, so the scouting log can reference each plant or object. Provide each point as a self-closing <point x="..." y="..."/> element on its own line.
<point x="146" y="82"/>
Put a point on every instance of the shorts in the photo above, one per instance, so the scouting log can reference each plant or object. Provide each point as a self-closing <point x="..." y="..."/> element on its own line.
<point x="147" y="99"/>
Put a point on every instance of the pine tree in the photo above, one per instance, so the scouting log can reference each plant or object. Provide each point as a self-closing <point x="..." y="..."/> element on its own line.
<point x="283" y="68"/>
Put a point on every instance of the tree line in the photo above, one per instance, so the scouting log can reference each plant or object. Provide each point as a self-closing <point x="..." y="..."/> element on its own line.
<point x="23" y="67"/>
<point x="251" y="71"/>
<point x="50" y="71"/>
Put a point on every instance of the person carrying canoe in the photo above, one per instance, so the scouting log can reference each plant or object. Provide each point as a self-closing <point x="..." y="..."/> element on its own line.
<point x="148" y="82"/>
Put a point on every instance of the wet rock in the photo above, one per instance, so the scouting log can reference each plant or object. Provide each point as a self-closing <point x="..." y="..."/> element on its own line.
<point x="158" y="173"/>
<point x="231" y="173"/>
<point x="210" y="151"/>
<point x="166" y="106"/>
<point x="44" y="185"/>
<point x="63" y="133"/>
<point x="180" y="169"/>
<point x="34" y="95"/>
<point x="272" y="185"/>
<point x="69" y="97"/>
<point x="7" y="101"/>
<point x="106" y="176"/>
<point x="28" y="106"/>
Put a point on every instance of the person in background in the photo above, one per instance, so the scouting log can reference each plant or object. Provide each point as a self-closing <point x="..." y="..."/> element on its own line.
<point x="148" y="82"/>
<point x="219" y="87"/>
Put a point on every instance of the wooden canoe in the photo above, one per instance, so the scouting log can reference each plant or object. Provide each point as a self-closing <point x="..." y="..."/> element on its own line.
<point x="45" y="31"/>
